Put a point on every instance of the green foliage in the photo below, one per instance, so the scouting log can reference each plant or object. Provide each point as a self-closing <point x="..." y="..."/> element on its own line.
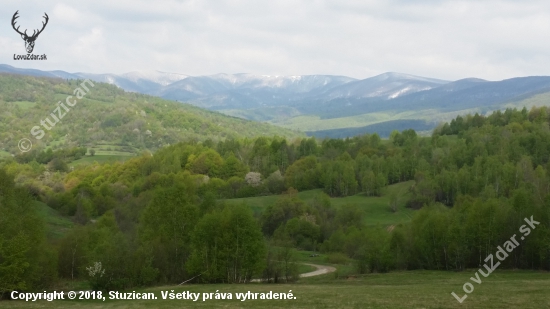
<point x="275" y="182"/>
<point x="227" y="246"/>
<point x="45" y="156"/>
<point x="287" y="207"/>
<point x="161" y="218"/>
<point x="339" y="178"/>
<point x="207" y="163"/>
<point x="303" y="174"/>
<point x="109" y="115"/>
<point x="233" y="167"/>
<point x="26" y="262"/>
<point x="281" y="260"/>
<point x="167" y="224"/>
<point x="302" y="231"/>
<point x="337" y="258"/>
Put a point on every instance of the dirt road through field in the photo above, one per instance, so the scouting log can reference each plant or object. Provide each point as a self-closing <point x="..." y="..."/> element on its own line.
<point x="321" y="270"/>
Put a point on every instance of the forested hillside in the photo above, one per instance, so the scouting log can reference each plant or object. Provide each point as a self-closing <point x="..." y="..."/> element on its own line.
<point x="163" y="218"/>
<point x="108" y="116"/>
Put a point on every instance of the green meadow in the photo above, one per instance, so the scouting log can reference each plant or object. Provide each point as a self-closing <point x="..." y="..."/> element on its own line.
<point x="376" y="209"/>
<point x="411" y="289"/>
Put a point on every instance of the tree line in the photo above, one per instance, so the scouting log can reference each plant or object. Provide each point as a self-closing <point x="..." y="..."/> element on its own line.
<point x="162" y="218"/>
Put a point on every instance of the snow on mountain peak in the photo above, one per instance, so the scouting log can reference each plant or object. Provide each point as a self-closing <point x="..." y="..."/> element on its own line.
<point x="402" y="76"/>
<point x="162" y="78"/>
<point x="407" y="90"/>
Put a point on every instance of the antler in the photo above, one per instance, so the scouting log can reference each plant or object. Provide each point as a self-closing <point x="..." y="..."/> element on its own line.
<point x="43" y="26"/>
<point x="13" y="24"/>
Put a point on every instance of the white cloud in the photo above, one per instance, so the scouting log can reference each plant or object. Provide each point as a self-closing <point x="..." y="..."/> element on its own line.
<point x="492" y="39"/>
<point x="68" y="14"/>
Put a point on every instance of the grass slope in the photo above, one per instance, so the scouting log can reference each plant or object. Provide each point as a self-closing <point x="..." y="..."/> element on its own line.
<point x="106" y="154"/>
<point x="376" y="209"/>
<point x="101" y="159"/>
<point x="56" y="225"/>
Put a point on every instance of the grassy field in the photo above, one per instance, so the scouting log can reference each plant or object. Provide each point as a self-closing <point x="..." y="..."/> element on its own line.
<point x="538" y="100"/>
<point x="403" y="289"/>
<point x="4" y="154"/>
<point x="302" y="269"/>
<point x="412" y="289"/>
<point x="376" y="209"/>
<point x="24" y="105"/>
<point x="315" y="123"/>
<point x="318" y="123"/>
<point x="57" y="143"/>
<point x="100" y="159"/>
<point x="56" y="224"/>
<point x="104" y="154"/>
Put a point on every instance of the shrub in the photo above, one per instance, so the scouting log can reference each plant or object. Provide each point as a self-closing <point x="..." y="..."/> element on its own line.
<point x="337" y="258"/>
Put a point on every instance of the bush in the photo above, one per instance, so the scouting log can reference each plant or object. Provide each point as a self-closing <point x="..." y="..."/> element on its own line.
<point x="275" y="183"/>
<point x="250" y="191"/>
<point x="337" y="258"/>
<point x="98" y="280"/>
<point x="343" y="272"/>
<point x="58" y="165"/>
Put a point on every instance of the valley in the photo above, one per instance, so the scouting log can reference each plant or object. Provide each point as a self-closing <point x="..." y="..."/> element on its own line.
<point x="275" y="154"/>
<point x="154" y="192"/>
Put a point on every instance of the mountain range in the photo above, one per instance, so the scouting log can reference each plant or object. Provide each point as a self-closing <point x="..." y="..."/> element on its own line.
<point x="328" y="105"/>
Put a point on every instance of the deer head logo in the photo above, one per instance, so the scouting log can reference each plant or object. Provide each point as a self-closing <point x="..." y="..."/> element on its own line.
<point x="29" y="40"/>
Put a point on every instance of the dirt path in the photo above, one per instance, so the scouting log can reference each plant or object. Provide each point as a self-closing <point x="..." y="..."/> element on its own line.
<point x="321" y="270"/>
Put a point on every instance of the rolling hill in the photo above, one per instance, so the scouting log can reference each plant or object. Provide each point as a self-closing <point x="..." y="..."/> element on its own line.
<point x="319" y="104"/>
<point x="110" y="119"/>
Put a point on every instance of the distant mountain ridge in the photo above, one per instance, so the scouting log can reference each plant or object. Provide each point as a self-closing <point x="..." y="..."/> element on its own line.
<point x="321" y="103"/>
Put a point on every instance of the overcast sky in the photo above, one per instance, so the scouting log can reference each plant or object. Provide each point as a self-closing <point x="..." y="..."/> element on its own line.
<point x="359" y="38"/>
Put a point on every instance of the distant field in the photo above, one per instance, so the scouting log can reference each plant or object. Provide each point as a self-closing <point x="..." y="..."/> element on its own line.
<point x="57" y="143"/>
<point x="376" y="209"/>
<point x="271" y="113"/>
<point x="24" y="105"/>
<point x="383" y="129"/>
<point x="377" y="121"/>
<point x="538" y="100"/>
<point x="103" y="154"/>
<point x="85" y="100"/>
<point x="411" y="289"/>
<point x="4" y="154"/>
<point x="100" y="159"/>
<point x="113" y="153"/>
<point x="317" y="123"/>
